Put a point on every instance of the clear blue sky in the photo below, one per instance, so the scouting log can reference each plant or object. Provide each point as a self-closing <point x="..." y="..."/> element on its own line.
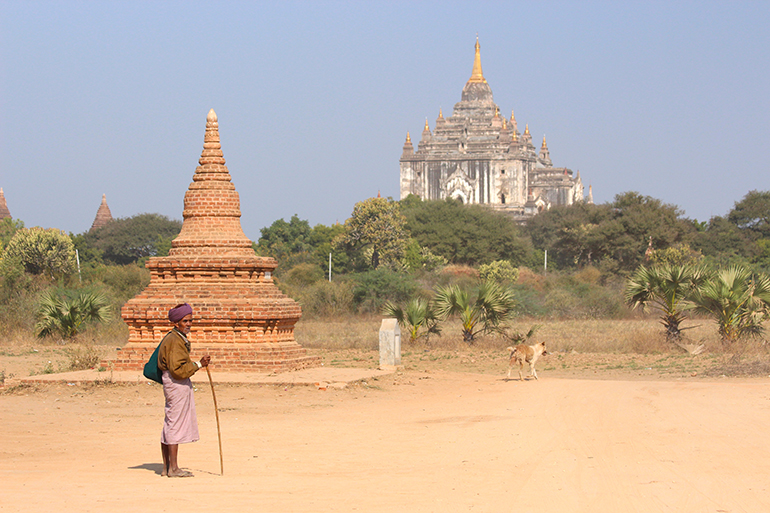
<point x="670" y="99"/>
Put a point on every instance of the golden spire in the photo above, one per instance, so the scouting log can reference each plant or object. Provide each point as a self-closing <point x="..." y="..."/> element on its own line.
<point x="515" y="136"/>
<point x="476" y="74"/>
<point x="427" y="128"/>
<point x="440" y="114"/>
<point x="505" y="124"/>
<point x="513" y="118"/>
<point x="497" y="112"/>
<point x="544" y="144"/>
<point x="526" y="129"/>
<point x="408" y="139"/>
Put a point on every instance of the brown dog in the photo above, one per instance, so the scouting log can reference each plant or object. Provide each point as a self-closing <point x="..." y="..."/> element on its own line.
<point x="529" y="354"/>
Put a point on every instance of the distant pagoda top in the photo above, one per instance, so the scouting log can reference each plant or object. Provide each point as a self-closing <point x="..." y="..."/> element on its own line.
<point x="103" y="215"/>
<point x="4" y="212"/>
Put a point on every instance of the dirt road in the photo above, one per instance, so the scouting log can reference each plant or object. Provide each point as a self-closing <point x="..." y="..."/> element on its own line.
<point x="412" y="442"/>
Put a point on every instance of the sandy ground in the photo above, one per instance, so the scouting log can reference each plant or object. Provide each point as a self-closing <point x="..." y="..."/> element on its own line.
<point x="413" y="441"/>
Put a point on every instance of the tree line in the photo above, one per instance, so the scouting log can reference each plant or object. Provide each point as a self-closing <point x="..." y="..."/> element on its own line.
<point x="400" y="251"/>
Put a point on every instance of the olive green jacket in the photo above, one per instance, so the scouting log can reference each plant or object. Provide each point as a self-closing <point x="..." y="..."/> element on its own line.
<point x="174" y="355"/>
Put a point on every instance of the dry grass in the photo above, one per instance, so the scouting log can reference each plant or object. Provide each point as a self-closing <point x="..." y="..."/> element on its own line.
<point x="642" y="336"/>
<point x="580" y="348"/>
<point x="601" y="348"/>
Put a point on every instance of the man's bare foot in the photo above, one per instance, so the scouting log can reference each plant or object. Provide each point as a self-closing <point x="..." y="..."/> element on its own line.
<point x="163" y="473"/>
<point x="179" y="473"/>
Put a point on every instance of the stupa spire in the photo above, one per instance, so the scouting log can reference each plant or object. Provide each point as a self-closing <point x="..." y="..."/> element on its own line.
<point x="477" y="75"/>
<point x="408" y="149"/>
<point x="212" y="207"/>
<point x="4" y="212"/>
<point x="545" y="155"/>
<point x="103" y="215"/>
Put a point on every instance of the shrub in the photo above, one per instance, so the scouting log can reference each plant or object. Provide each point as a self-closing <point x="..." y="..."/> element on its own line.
<point x="463" y="276"/>
<point x="326" y="299"/>
<point x="39" y="251"/>
<point x="83" y="356"/>
<point x="418" y="316"/>
<point x="501" y="271"/>
<point x="67" y="318"/>
<point x="484" y="312"/>
<point x="122" y="282"/>
<point x="373" y="288"/>
<point x="737" y="300"/>
<point x="18" y="303"/>
<point x="303" y="275"/>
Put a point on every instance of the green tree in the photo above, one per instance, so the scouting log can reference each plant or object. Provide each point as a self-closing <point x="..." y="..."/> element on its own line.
<point x="667" y="288"/>
<point x="613" y="236"/>
<point x="322" y="241"/>
<point x="737" y="300"/>
<point x="724" y="244"/>
<point x="39" y="251"/>
<point x="570" y="234"/>
<point x="418" y="316"/>
<point x="67" y="318"/>
<point x="130" y="239"/>
<point x="376" y="229"/>
<point x="752" y="215"/>
<point x="283" y="238"/>
<point x="294" y="243"/>
<point x="486" y="312"/>
<point x="466" y="234"/>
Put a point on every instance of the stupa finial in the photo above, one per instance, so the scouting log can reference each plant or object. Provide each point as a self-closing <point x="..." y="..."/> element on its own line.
<point x="477" y="75"/>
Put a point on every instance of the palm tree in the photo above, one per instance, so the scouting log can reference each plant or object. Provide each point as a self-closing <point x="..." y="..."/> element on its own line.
<point x="486" y="313"/>
<point x="68" y="318"/>
<point x="667" y="288"/>
<point x="418" y="316"/>
<point x="738" y="301"/>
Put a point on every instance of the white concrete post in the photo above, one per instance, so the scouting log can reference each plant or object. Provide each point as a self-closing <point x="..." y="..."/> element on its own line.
<point x="390" y="344"/>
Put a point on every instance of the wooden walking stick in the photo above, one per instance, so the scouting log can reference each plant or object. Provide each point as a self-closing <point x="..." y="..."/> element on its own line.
<point x="219" y="432"/>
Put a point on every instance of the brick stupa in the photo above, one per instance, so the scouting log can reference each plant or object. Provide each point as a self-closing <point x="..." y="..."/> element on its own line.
<point x="241" y="318"/>
<point x="103" y="215"/>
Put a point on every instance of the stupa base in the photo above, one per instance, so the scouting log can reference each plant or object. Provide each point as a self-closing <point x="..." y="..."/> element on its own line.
<point x="236" y="357"/>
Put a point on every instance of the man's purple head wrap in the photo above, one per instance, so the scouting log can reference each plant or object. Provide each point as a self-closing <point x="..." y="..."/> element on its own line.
<point x="179" y="312"/>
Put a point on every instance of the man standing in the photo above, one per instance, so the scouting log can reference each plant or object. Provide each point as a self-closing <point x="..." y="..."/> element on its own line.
<point x="180" y="425"/>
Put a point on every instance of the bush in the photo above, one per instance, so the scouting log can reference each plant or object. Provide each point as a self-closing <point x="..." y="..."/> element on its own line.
<point x="66" y="318"/>
<point x="18" y="302"/>
<point x="303" y="275"/>
<point x="121" y="282"/>
<point x="373" y="288"/>
<point x="327" y="299"/>
<point x="39" y="251"/>
<point x="83" y="356"/>
<point x="463" y="276"/>
<point x="501" y="271"/>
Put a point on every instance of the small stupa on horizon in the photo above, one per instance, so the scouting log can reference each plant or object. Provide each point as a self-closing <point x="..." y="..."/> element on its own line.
<point x="103" y="215"/>
<point x="4" y="212"/>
